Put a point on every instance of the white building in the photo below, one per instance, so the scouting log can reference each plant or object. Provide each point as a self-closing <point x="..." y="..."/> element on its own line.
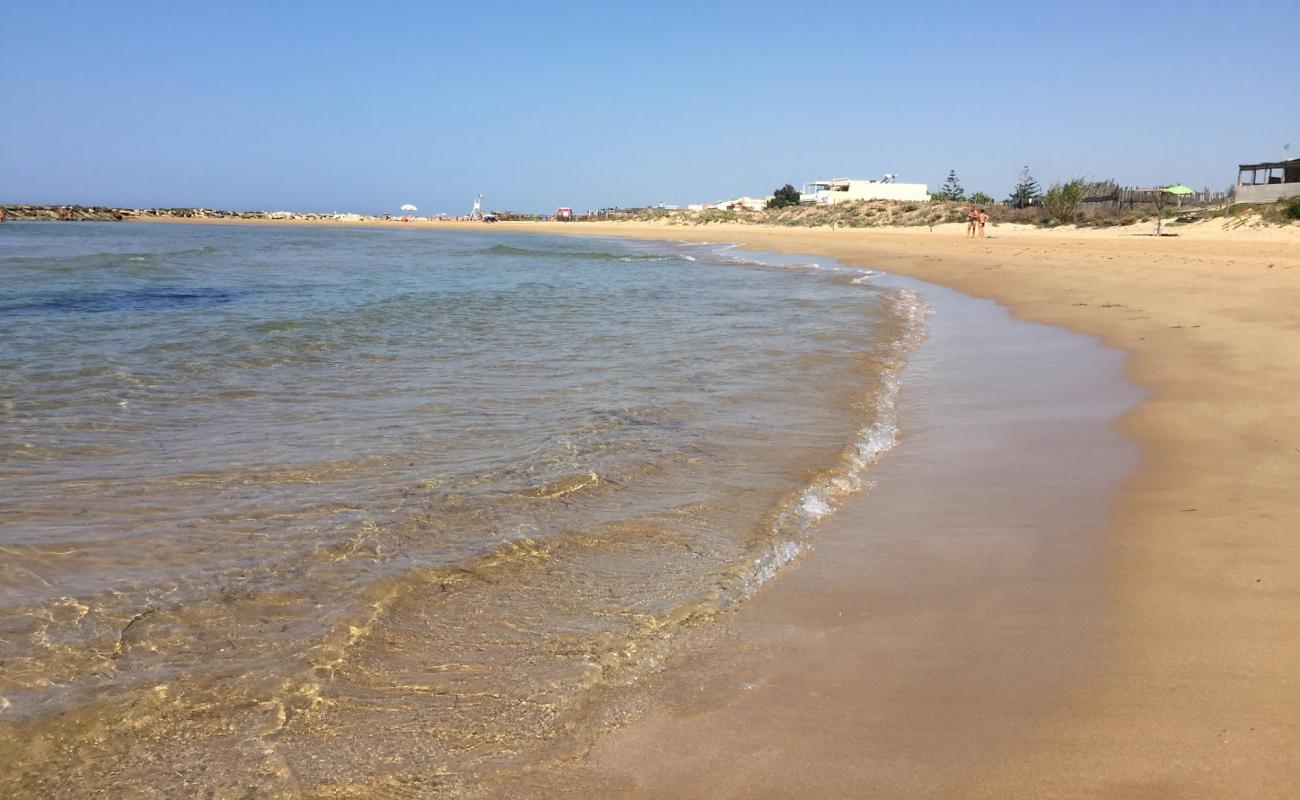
<point x="742" y="204"/>
<point x="837" y="190"/>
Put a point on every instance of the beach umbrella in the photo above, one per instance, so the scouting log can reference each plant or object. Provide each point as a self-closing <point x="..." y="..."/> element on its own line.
<point x="1180" y="191"/>
<point x="1177" y="190"/>
<point x="409" y="207"/>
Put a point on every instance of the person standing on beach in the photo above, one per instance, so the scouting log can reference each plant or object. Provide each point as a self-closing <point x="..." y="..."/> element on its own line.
<point x="971" y="219"/>
<point x="983" y="220"/>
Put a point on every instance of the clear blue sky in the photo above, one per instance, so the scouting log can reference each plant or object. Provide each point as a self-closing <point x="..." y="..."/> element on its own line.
<point x="360" y="106"/>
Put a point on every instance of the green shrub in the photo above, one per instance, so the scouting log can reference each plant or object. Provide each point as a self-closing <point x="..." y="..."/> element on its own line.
<point x="1062" y="200"/>
<point x="784" y="197"/>
<point x="1292" y="209"/>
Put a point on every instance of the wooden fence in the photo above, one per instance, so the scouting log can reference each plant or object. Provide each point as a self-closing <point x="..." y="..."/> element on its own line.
<point x="1125" y="198"/>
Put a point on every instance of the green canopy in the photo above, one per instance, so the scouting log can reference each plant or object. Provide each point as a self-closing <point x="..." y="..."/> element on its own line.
<point x="1179" y="189"/>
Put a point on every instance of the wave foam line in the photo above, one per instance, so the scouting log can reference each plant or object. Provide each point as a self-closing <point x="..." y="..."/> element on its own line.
<point x="793" y="527"/>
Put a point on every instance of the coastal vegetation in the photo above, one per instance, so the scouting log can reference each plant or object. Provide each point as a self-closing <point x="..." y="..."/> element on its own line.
<point x="1082" y="202"/>
<point x="951" y="189"/>
<point x="784" y="197"/>
<point x="1075" y="202"/>
<point x="1026" y="192"/>
<point x="1285" y="212"/>
<point x="1064" y="203"/>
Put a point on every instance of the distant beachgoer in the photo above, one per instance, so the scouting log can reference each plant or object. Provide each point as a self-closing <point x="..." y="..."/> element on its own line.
<point x="983" y="219"/>
<point x="971" y="220"/>
<point x="3" y="215"/>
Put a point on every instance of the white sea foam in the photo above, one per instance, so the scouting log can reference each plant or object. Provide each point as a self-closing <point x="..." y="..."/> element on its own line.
<point x="723" y="252"/>
<point x="793" y="528"/>
<point x="814" y="506"/>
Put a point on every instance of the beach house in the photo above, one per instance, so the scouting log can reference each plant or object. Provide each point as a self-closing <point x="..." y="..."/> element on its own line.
<point x="1268" y="182"/>
<point x="838" y="190"/>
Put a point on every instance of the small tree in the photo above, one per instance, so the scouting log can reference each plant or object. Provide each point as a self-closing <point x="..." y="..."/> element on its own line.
<point x="1161" y="200"/>
<point x="981" y="199"/>
<point x="785" y="196"/>
<point x="951" y="189"/>
<point x="1063" y="199"/>
<point x="1026" y="192"/>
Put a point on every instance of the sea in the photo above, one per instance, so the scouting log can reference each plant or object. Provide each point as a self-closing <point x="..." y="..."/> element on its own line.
<point x="336" y="512"/>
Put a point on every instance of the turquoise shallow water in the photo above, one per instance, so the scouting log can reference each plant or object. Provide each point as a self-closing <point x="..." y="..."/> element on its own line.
<point x="314" y="486"/>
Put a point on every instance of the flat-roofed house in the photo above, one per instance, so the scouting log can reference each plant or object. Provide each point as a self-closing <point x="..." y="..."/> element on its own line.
<point x="838" y="190"/>
<point x="1268" y="182"/>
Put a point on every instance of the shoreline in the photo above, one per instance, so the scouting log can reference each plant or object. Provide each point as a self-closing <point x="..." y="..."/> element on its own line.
<point x="940" y="615"/>
<point x="1200" y="565"/>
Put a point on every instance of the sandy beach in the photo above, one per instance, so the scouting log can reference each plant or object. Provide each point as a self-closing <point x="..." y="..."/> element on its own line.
<point x="1192" y="690"/>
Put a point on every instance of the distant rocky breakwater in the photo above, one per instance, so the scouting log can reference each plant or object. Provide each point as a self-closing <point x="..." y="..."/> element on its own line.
<point x="105" y="213"/>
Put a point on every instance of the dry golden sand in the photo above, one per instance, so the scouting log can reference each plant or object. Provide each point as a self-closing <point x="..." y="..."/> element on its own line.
<point x="1198" y="688"/>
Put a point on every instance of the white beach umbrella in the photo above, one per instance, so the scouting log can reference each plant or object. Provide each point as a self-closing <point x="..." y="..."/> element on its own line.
<point x="409" y="207"/>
